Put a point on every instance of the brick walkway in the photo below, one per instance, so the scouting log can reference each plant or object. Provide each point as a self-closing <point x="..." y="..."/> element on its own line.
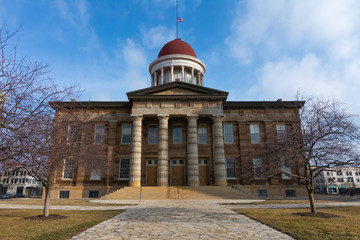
<point x="180" y="220"/>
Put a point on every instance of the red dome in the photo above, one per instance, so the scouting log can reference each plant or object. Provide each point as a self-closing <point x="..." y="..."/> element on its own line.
<point x="177" y="46"/>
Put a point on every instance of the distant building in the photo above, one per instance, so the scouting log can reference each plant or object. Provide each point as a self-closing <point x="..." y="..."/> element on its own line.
<point x="336" y="180"/>
<point x="16" y="180"/>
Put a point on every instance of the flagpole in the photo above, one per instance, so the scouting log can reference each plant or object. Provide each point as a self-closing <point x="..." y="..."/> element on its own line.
<point x="177" y="22"/>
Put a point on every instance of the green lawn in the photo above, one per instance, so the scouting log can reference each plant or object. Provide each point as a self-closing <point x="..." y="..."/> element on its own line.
<point x="68" y="202"/>
<point x="14" y="224"/>
<point x="346" y="226"/>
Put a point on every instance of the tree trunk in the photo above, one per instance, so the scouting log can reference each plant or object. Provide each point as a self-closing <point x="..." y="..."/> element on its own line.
<point x="312" y="200"/>
<point x="47" y="202"/>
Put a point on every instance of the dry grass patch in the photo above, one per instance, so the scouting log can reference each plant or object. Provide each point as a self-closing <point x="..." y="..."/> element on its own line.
<point x="59" y="202"/>
<point x="20" y="224"/>
<point x="345" y="226"/>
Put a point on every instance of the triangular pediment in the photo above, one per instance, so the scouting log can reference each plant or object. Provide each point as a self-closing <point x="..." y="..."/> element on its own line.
<point x="177" y="90"/>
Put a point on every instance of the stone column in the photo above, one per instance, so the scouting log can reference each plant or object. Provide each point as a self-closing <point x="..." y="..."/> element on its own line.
<point x="152" y="80"/>
<point x="172" y="74"/>
<point x="135" y="164"/>
<point x="219" y="153"/>
<point x="182" y="74"/>
<point x="162" y="76"/>
<point x="192" y="75"/>
<point x="163" y="164"/>
<point x="192" y="151"/>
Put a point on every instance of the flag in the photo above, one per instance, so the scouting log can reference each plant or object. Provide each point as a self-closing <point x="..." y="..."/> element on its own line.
<point x="180" y="19"/>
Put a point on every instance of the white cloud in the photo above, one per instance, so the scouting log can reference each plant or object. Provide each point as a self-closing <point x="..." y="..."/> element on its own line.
<point x="135" y="66"/>
<point x="157" y="36"/>
<point x="311" y="46"/>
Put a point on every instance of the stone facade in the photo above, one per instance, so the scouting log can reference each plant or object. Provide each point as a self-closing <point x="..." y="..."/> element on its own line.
<point x="175" y="133"/>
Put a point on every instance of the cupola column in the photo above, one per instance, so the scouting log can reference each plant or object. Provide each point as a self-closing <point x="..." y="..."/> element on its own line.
<point x="199" y="79"/>
<point x="163" y="152"/>
<point x="182" y="73"/>
<point x="219" y="153"/>
<point x="152" y="79"/>
<point x="172" y="74"/>
<point x="192" y="151"/>
<point x="192" y="75"/>
<point x="155" y="78"/>
<point x="135" y="163"/>
<point x="162" y="76"/>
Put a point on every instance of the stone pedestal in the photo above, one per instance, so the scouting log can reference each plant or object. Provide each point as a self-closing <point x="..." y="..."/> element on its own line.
<point x="192" y="151"/>
<point x="163" y="165"/>
<point x="135" y="163"/>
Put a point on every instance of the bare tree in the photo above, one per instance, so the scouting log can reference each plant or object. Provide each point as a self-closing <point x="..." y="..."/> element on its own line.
<point x="27" y="128"/>
<point x="327" y="136"/>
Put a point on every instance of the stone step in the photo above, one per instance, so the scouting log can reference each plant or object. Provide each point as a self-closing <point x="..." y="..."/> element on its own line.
<point x="178" y="193"/>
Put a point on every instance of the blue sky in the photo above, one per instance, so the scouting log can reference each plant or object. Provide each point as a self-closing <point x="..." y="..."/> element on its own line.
<point x="255" y="50"/>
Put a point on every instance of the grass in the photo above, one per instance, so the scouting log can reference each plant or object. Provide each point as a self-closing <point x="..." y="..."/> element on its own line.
<point x="61" y="202"/>
<point x="267" y="202"/>
<point x="15" y="226"/>
<point x="347" y="226"/>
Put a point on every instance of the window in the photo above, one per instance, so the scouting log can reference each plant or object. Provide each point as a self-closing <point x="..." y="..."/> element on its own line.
<point x="230" y="168"/>
<point x="99" y="134"/>
<point x="95" y="174"/>
<point x="290" y="193"/>
<point x="153" y="134"/>
<point x="285" y="168"/>
<point x="64" y="194"/>
<point x="126" y="133"/>
<point x="255" y="133"/>
<point x="261" y="192"/>
<point x="93" y="194"/>
<point x="73" y="133"/>
<point x="68" y="169"/>
<point x="258" y="162"/>
<point x="281" y="132"/>
<point x="124" y="168"/>
<point x="338" y="173"/>
<point x="327" y="173"/>
<point x="202" y="135"/>
<point x="228" y="133"/>
<point x="177" y="134"/>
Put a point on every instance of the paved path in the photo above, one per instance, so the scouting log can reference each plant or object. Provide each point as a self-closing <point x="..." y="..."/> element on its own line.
<point x="180" y="220"/>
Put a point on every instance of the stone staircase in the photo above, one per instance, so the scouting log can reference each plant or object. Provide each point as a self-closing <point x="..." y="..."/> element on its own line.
<point x="179" y="193"/>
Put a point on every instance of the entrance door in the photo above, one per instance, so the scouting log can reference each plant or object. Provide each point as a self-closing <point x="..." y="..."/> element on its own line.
<point x="151" y="172"/>
<point x="203" y="172"/>
<point x="177" y="172"/>
<point x="19" y="190"/>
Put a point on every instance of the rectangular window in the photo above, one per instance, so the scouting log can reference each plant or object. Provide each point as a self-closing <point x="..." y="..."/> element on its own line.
<point x="95" y="174"/>
<point x="228" y="133"/>
<point x="281" y="132"/>
<point x="153" y="134"/>
<point x="124" y="168"/>
<point x="99" y="133"/>
<point x="255" y="133"/>
<point x="64" y="194"/>
<point x="261" y="192"/>
<point x="177" y="134"/>
<point x="73" y="134"/>
<point x="285" y="168"/>
<point x="290" y="193"/>
<point x="68" y="169"/>
<point x="202" y="135"/>
<point x="258" y="166"/>
<point x="230" y="168"/>
<point x="93" y="194"/>
<point x="126" y="133"/>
